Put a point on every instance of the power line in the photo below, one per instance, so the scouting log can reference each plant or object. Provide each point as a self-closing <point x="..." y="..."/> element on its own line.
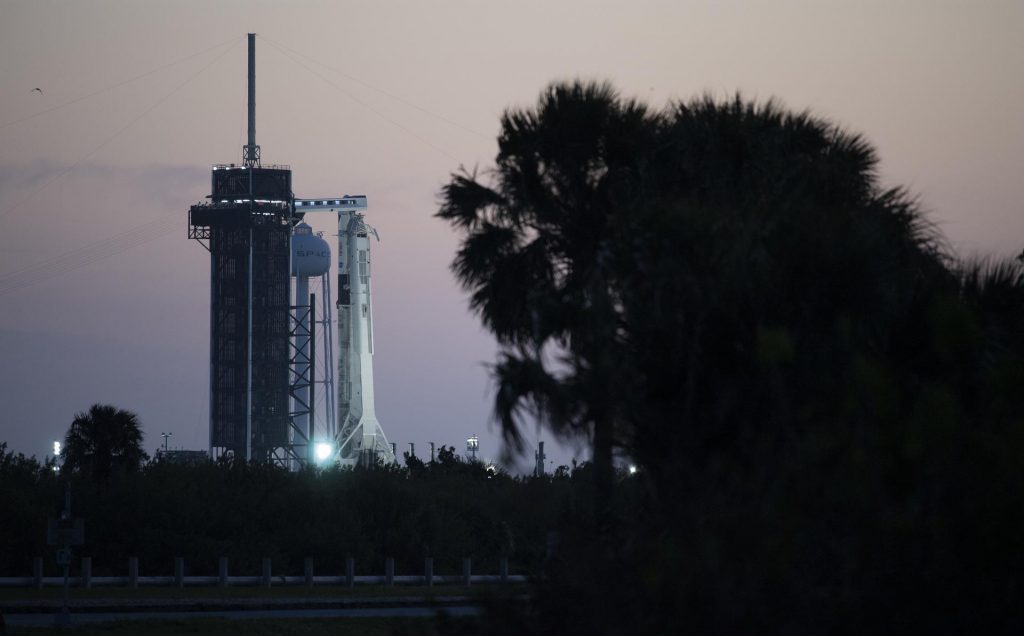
<point x="77" y="251"/>
<point x="379" y="90"/>
<point x="105" y="248"/>
<point x="133" y="237"/>
<point x="6" y="210"/>
<point x="341" y="90"/>
<point x="94" y="256"/>
<point x="89" y="254"/>
<point x="113" y="86"/>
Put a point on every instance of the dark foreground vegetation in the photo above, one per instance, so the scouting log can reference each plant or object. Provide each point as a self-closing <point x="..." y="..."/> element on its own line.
<point x="825" y="402"/>
<point x="448" y="509"/>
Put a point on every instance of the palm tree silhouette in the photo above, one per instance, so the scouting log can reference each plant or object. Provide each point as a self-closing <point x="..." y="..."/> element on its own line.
<point x="537" y="258"/>
<point x="724" y="292"/>
<point x="104" y="440"/>
<point x="636" y="266"/>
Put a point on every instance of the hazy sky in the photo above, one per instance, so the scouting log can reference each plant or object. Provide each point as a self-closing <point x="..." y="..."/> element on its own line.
<point x="386" y="99"/>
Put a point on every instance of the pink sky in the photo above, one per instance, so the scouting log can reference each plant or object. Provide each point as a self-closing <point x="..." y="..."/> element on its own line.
<point x="402" y="93"/>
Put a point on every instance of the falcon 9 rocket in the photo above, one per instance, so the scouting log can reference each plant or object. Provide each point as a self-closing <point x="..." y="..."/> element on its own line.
<point x="361" y="438"/>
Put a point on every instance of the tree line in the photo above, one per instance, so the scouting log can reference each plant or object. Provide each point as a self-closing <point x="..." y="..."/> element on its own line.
<point x="823" y="398"/>
<point x="446" y="509"/>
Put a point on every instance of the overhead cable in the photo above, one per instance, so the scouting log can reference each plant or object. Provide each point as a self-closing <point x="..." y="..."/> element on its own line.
<point x="352" y="97"/>
<point x="113" y="86"/>
<point x="7" y="209"/>
<point x="379" y="90"/>
<point x="87" y="255"/>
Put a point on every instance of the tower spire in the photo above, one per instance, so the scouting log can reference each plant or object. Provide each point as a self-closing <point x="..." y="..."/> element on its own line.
<point x="251" y="152"/>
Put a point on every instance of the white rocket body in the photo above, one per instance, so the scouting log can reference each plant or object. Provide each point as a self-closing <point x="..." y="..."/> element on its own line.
<point x="360" y="432"/>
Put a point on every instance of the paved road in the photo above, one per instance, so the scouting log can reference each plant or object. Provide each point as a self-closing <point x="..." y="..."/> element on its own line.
<point x="46" y="620"/>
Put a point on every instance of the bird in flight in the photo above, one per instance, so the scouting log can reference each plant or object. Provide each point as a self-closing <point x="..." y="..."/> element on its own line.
<point x="37" y="89"/>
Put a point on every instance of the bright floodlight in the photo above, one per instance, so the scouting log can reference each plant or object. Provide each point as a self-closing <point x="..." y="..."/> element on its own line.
<point x="632" y="470"/>
<point x="323" y="451"/>
<point x="56" y="448"/>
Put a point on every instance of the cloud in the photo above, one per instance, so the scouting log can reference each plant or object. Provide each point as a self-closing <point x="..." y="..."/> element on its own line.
<point x="19" y="179"/>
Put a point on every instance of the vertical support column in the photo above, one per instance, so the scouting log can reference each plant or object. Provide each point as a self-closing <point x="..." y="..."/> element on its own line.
<point x="222" y="571"/>
<point x="86" y="572"/>
<point x="503" y="569"/>
<point x="248" y="355"/>
<point x="326" y="309"/>
<point x="179" y="572"/>
<point x="266" y="572"/>
<point x="213" y="324"/>
<point x="37" y="572"/>
<point x="311" y="429"/>
<point x="133" y="572"/>
<point x="307" y="571"/>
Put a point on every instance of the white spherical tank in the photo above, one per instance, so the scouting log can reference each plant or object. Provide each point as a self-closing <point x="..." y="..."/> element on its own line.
<point x="311" y="255"/>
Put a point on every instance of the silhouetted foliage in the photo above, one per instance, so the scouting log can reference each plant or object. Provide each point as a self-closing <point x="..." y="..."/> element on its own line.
<point x="27" y="488"/>
<point x="823" y="401"/>
<point x="250" y="511"/>
<point x="102" y="441"/>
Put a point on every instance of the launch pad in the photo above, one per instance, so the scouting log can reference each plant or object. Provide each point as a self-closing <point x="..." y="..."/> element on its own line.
<point x="263" y="349"/>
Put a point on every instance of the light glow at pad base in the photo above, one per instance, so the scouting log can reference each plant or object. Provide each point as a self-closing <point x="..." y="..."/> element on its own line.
<point x="322" y="451"/>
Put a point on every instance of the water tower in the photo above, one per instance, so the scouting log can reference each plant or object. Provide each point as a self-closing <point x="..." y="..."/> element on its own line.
<point x="311" y="258"/>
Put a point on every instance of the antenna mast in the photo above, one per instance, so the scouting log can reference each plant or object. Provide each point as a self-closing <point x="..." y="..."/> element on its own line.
<point x="251" y="152"/>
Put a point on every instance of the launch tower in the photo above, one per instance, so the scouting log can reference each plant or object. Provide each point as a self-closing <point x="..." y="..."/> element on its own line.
<point x="246" y="227"/>
<point x="262" y="353"/>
